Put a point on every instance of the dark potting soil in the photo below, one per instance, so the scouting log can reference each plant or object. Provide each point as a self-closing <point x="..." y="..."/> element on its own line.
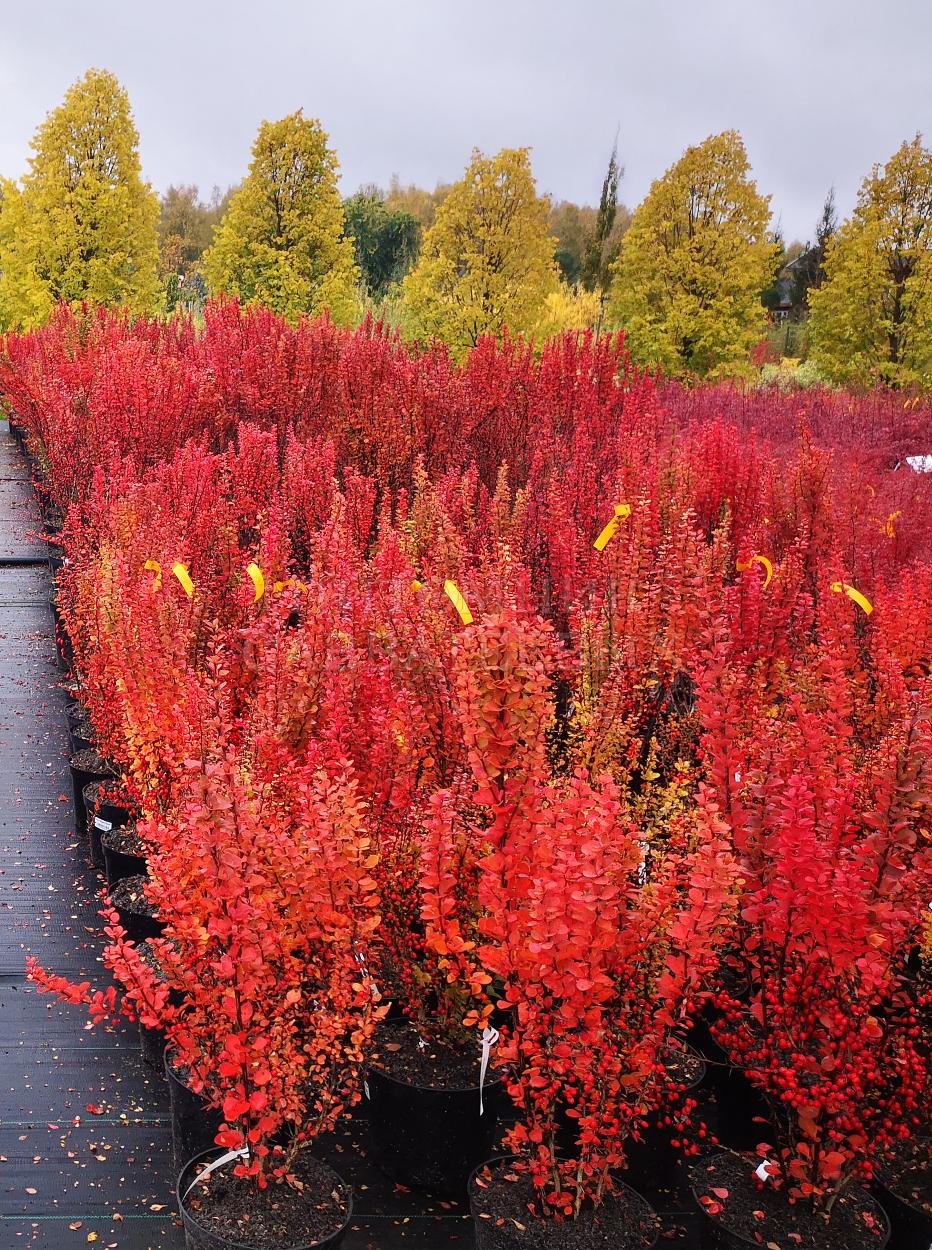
<point x="277" y="1218"/>
<point x="400" y="1053"/>
<point x="856" y="1223"/>
<point x="126" y="840"/>
<point x="90" y="762"/>
<point x="150" y="959"/>
<point x="683" y="1066"/>
<point x="500" y="1197"/>
<point x="909" y="1176"/>
<point x="129" y="893"/>
<point x="105" y="791"/>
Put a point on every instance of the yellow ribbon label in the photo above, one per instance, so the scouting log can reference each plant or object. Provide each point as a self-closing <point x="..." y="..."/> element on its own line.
<point x="181" y="572"/>
<point x="854" y="595"/>
<point x="743" y="565"/>
<point x="622" y="510"/>
<point x="451" y="590"/>
<point x="258" y="581"/>
<point x="153" y="566"/>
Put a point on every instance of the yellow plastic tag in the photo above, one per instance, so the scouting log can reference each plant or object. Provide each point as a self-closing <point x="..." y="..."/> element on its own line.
<point x="743" y="565"/>
<point x="854" y="595"/>
<point x="258" y="581"/>
<point x="451" y="590"/>
<point x="181" y="572"/>
<point x="622" y="510"/>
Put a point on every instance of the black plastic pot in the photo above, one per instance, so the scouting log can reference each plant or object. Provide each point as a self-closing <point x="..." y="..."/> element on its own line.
<point x="152" y="1040"/>
<point x="86" y="767"/>
<point x="75" y="712"/>
<point x="55" y="555"/>
<point x="741" y="1114"/>
<point x="653" y="1163"/>
<point x="714" y="1235"/>
<point x="119" y="864"/>
<point x="491" y="1235"/>
<point x="64" y="649"/>
<point x="103" y="816"/>
<point x="152" y="1048"/>
<point x="81" y="736"/>
<point x="51" y="515"/>
<point x="431" y="1138"/>
<point x="72" y="690"/>
<point x="911" y="1224"/>
<point x="194" y="1124"/>
<point x="139" y="926"/>
<point x="198" y="1238"/>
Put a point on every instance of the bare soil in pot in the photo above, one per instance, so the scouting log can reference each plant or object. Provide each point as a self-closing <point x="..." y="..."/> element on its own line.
<point x="499" y="1197"/>
<point x="281" y="1217"/>
<point x="909" y="1176"/>
<point x="407" y="1057"/>
<point x="858" y="1222"/>
<point x="904" y="1186"/>
<point x="130" y="895"/>
<point x="684" y="1066"/>
<point x="126" y="840"/>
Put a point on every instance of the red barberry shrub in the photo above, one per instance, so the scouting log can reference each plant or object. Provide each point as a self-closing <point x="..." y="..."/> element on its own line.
<point x="828" y="806"/>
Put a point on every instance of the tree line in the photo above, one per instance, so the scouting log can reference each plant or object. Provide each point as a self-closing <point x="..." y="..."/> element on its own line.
<point x="694" y="275"/>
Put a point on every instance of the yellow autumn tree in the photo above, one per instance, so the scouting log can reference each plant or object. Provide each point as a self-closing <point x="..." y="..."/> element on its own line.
<point x="281" y="242"/>
<point x="487" y="262"/>
<point x="83" y="225"/>
<point x="871" y="320"/>
<point x="568" y="308"/>
<point x="24" y="300"/>
<point x="693" y="265"/>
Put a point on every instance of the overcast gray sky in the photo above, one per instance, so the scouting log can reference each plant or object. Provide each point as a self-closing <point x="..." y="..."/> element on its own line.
<point x="821" y="90"/>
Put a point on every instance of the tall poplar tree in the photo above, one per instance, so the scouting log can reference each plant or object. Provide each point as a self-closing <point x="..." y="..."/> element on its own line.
<point x="281" y="242"/>
<point x="602" y="248"/>
<point x="871" y="319"/>
<point x="83" y="226"/>
<point x="487" y="261"/>
<point x="694" y="263"/>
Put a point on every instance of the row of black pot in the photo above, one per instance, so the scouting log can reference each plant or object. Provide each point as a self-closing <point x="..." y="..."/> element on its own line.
<point x="421" y="1137"/>
<point x="436" y="1140"/>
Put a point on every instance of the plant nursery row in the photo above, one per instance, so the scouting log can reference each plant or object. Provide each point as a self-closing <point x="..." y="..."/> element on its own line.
<point x="529" y="749"/>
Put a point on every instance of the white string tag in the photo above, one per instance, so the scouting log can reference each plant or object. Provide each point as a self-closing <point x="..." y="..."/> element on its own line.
<point x="240" y="1153"/>
<point x="364" y="969"/>
<point x="489" y="1037"/>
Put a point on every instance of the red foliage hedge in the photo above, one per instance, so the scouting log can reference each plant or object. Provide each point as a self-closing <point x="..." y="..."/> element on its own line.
<point x="646" y="777"/>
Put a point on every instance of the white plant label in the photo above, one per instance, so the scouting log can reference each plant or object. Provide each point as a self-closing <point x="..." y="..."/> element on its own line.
<point x="103" y="825"/>
<point x="365" y="1090"/>
<point x="761" y="1171"/>
<point x="240" y="1153"/>
<point x="489" y="1038"/>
